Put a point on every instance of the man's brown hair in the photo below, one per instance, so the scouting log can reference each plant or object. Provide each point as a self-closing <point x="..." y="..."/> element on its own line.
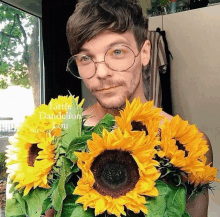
<point x="92" y="17"/>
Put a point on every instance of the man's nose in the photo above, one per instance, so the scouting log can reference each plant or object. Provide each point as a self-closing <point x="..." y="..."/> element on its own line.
<point x="102" y="69"/>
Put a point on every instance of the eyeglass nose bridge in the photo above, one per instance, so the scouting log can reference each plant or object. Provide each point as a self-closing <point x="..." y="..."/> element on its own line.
<point x="102" y="61"/>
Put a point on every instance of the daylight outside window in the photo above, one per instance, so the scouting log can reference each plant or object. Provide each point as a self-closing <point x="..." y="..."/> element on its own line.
<point x="20" y="74"/>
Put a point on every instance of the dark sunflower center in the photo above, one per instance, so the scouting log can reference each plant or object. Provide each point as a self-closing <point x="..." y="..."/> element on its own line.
<point x="32" y="154"/>
<point x="139" y="126"/>
<point x="115" y="172"/>
<point x="182" y="147"/>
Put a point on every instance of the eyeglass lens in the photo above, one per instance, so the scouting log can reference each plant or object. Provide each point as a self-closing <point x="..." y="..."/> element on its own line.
<point x="117" y="58"/>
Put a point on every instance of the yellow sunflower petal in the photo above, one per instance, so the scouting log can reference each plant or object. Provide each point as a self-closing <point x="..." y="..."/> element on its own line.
<point x="184" y="146"/>
<point x="142" y="157"/>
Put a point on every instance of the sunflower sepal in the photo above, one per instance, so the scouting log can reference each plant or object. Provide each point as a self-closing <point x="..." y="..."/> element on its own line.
<point x="13" y="188"/>
<point x="193" y="191"/>
<point x="12" y="185"/>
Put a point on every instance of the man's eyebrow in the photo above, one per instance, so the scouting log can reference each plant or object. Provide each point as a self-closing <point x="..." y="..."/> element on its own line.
<point x="118" y="42"/>
<point x="108" y="46"/>
<point x="83" y="49"/>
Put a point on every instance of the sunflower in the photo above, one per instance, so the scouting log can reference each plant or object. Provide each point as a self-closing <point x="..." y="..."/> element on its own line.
<point x="207" y="176"/>
<point x="43" y="119"/>
<point x="30" y="159"/>
<point x="117" y="171"/>
<point x="183" y="146"/>
<point x="60" y="107"/>
<point x="31" y="154"/>
<point x="139" y="116"/>
<point x="63" y="103"/>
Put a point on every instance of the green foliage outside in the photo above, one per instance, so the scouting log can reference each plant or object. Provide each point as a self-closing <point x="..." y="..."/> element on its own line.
<point x="20" y="79"/>
<point x="19" y="76"/>
<point x="3" y="84"/>
<point x="14" y="32"/>
<point x="3" y="174"/>
<point x="162" y="7"/>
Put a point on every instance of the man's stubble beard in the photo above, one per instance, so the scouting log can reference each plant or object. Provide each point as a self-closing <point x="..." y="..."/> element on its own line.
<point x="122" y="101"/>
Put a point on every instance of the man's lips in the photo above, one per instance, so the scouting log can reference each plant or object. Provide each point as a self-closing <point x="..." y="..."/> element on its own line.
<point x="107" y="88"/>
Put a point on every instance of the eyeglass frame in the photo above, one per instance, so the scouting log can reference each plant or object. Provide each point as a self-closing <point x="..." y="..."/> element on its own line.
<point x="103" y="61"/>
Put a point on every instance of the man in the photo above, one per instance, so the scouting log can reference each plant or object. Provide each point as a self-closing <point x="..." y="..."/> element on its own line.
<point x="107" y="40"/>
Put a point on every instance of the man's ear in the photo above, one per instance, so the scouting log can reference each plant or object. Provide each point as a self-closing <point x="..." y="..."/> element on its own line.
<point x="145" y="53"/>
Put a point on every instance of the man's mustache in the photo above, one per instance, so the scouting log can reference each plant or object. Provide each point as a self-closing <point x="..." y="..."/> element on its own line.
<point x="107" y="84"/>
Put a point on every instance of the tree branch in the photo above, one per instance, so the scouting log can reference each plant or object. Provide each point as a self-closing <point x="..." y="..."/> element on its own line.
<point x="25" y="55"/>
<point x="11" y="36"/>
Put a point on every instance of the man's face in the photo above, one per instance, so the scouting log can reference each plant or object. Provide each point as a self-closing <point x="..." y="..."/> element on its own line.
<point x="109" y="87"/>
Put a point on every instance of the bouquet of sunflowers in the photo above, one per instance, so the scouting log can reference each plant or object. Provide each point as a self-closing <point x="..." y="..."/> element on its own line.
<point x="130" y="165"/>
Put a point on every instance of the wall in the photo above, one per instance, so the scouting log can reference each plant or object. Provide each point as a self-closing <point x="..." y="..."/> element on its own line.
<point x="193" y="39"/>
<point x="145" y="4"/>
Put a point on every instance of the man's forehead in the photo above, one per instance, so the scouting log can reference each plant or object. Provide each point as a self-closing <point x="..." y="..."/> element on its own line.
<point x="107" y="39"/>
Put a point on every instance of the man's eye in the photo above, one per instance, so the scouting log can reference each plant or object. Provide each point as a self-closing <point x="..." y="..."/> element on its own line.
<point x="85" y="58"/>
<point x="117" y="52"/>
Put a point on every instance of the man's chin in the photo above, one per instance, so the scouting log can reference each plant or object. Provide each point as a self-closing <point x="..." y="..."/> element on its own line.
<point x="112" y="103"/>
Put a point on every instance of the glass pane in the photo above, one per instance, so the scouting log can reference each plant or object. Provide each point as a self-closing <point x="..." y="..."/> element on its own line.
<point x="163" y="7"/>
<point x="20" y="74"/>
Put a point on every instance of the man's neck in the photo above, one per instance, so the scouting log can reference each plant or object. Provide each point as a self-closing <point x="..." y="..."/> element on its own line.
<point x="97" y="112"/>
<point x="116" y="112"/>
<point x="101" y="111"/>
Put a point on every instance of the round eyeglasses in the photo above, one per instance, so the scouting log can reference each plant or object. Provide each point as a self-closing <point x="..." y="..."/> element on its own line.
<point x="118" y="58"/>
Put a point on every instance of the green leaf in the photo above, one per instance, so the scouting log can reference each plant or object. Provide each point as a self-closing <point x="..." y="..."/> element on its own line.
<point x="77" y="144"/>
<point x="164" y="2"/>
<point x="79" y="212"/>
<point x="75" y="169"/>
<point x="176" y="202"/>
<point x="34" y="199"/>
<point x="68" y="164"/>
<point x="21" y="200"/>
<point x="68" y="206"/>
<point x="185" y="214"/>
<point x="108" y="119"/>
<point x="72" y="157"/>
<point x="157" y="205"/>
<point x="70" y="209"/>
<point x="13" y="208"/>
<point x="87" y="130"/>
<point x="69" y="188"/>
<point x="170" y="202"/>
<point x="59" y="193"/>
<point x="106" y="122"/>
<point x="48" y="201"/>
<point x="53" y="187"/>
<point x="46" y="205"/>
<point x="73" y="121"/>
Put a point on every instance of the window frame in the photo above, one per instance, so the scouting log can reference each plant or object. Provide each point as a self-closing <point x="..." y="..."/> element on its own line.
<point x="42" y="68"/>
